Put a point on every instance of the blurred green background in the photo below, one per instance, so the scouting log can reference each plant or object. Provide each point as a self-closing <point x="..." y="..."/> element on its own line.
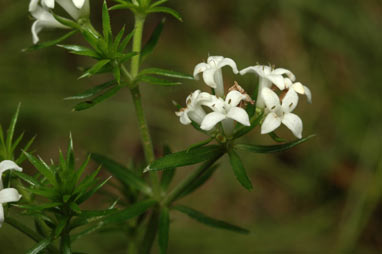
<point x="323" y="196"/>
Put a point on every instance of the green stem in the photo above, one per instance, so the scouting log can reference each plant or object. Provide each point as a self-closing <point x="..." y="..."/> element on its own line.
<point x="136" y="95"/>
<point x="174" y="194"/>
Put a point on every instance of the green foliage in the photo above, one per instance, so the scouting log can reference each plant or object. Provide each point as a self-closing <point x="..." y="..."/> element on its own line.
<point x="273" y="148"/>
<point x="8" y="145"/>
<point x="56" y="193"/>
<point x="186" y="157"/>
<point x="163" y="229"/>
<point x="204" y="219"/>
<point x="239" y="170"/>
<point x="144" y="7"/>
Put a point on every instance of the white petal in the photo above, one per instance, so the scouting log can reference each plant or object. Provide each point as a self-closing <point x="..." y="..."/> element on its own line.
<point x="78" y="3"/>
<point x="290" y="101"/>
<point x="294" y="123"/>
<point x="201" y="67"/>
<point x="234" y="98"/>
<point x="208" y="77"/>
<point x="282" y="71"/>
<point x="278" y="80"/>
<point x="218" y="77"/>
<point x="288" y="83"/>
<point x="9" y="195"/>
<point x="1" y="215"/>
<point x="271" y="99"/>
<point x="211" y="119"/>
<point x="298" y="87"/>
<point x="36" y="28"/>
<point x="48" y="3"/>
<point x="247" y="70"/>
<point x="33" y="5"/>
<point x="239" y="115"/>
<point x="229" y="62"/>
<point x="7" y="165"/>
<point x="213" y="61"/>
<point x="183" y="117"/>
<point x="308" y="94"/>
<point x="271" y="123"/>
<point x="197" y="114"/>
<point x="228" y="126"/>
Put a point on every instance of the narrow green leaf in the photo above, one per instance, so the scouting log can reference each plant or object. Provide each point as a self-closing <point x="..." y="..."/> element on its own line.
<point x="60" y="227"/>
<point x="39" y="247"/>
<point x="200" y="217"/>
<point x="124" y="5"/>
<point x="80" y="50"/>
<point x="158" y="3"/>
<point x="22" y="228"/>
<point x="123" y="174"/>
<point x="125" y="41"/>
<point x="166" y="73"/>
<point x="16" y="143"/>
<point x="26" y="148"/>
<point x="50" y="43"/>
<point x="185" y="158"/>
<point x="88" y="104"/>
<point x="75" y="208"/>
<point x="163" y="229"/>
<point x="118" y="38"/>
<point x="124" y="57"/>
<point x="167" y="174"/>
<point x="92" y="216"/>
<point x="92" y="39"/>
<point x="200" y="144"/>
<point x="67" y="22"/>
<point x="239" y="170"/>
<point x="26" y="178"/>
<point x="70" y="160"/>
<point x="167" y="10"/>
<point x="152" y="42"/>
<point x="106" y="27"/>
<point x="273" y="148"/>
<point x="92" y="91"/>
<point x="198" y="182"/>
<point x="130" y="212"/>
<point x="157" y="81"/>
<point x="41" y="167"/>
<point x="11" y="129"/>
<point x="150" y="233"/>
<point x="117" y="72"/>
<point x="95" y="68"/>
<point x="276" y="138"/>
<point x="85" y="196"/>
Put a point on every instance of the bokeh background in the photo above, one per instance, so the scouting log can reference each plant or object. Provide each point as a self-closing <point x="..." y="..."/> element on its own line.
<point x="322" y="196"/>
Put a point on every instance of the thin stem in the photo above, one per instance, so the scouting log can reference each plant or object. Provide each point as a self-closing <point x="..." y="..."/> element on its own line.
<point x="136" y="95"/>
<point x="174" y="194"/>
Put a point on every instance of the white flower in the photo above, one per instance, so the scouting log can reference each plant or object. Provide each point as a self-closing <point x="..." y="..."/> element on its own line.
<point x="267" y="77"/>
<point x="298" y="88"/>
<point x="194" y="111"/>
<point x="66" y="4"/>
<point x="7" y="165"/>
<point x="44" y="19"/>
<point x="278" y="114"/>
<point x="212" y="73"/>
<point x="7" y="195"/>
<point x="226" y="111"/>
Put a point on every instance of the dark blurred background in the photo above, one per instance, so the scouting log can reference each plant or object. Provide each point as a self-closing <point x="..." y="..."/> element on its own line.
<point x="322" y="196"/>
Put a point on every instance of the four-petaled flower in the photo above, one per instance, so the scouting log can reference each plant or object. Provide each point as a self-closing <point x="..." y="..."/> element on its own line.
<point x="226" y="111"/>
<point x="7" y="165"/>
<point x="298" y="88"/>
<point x="194" y="111"/>
<point x="7" y="195"/>
<point x="267" y="77"/>
<point x="40" y="10"/>
<point x="212" y="73"/>
<point x="281" y="113"/>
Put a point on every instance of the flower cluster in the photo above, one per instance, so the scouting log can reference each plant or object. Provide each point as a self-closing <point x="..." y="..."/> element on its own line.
<point x="7" y="194"/>
<point x="277" y="97"/>
<point x="41" y="10"/>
